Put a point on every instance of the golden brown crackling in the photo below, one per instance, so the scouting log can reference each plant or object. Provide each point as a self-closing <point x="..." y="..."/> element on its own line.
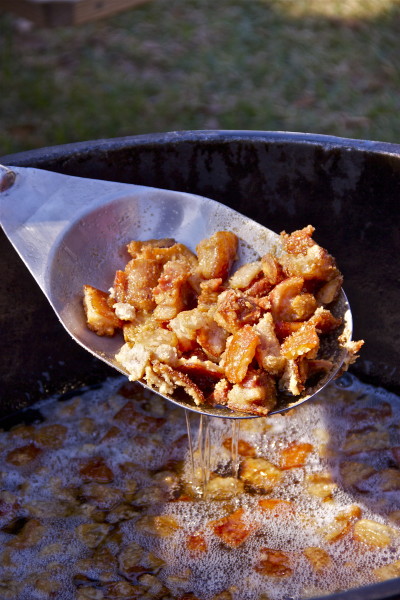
<point x="186" y="318"/>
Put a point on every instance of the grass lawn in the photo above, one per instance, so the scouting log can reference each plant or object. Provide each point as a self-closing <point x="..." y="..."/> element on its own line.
<point x="328" y="67"/>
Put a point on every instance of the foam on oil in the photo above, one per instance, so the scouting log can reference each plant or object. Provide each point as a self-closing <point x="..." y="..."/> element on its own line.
<point x="155" y="474"/>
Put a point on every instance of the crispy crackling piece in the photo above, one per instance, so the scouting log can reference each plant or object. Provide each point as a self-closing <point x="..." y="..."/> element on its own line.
<point x="100" y="317"/>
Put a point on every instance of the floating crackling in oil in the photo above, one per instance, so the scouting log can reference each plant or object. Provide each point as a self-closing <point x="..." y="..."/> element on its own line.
<point x="118" y="494"/>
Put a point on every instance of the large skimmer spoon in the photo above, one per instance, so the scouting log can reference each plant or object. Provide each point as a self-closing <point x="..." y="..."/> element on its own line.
<point x="71" y="231"/>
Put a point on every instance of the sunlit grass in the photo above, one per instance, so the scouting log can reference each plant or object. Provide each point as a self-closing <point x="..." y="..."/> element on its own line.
<point x="338" y="9"/>
<point x="200" y="64"/>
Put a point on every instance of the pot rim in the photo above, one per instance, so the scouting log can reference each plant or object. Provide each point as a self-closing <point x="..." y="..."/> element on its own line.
<point x="46" y="153"/>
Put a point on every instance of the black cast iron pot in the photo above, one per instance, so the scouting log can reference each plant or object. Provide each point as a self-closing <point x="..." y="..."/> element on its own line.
<point x="348" y="189"/>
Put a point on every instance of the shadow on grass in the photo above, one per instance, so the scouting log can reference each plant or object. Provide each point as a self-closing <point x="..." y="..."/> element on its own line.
<point x="178" y="65"/>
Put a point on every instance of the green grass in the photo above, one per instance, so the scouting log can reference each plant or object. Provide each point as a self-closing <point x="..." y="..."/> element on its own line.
<point x="167" y="65"/>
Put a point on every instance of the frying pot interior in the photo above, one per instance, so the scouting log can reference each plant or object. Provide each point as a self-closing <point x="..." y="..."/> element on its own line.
<point x="347" y="189"/>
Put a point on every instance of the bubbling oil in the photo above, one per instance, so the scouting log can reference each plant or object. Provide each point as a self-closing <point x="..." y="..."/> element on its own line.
<point x="117" y="485"/>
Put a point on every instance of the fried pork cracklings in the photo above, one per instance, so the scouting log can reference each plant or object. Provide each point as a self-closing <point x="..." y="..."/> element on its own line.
<point x="226" y="338"/>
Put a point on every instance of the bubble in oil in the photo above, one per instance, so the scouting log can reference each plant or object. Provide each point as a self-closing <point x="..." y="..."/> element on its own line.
<point x="346" y="381"/>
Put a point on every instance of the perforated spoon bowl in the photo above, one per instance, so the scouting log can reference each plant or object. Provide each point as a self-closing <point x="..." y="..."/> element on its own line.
<point x="71" y="231"/>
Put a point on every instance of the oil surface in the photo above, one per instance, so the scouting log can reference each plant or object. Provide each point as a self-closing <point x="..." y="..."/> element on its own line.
<point x="104" y="499"/>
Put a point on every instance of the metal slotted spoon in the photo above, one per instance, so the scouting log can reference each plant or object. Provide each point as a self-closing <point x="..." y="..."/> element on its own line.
<point x="72" y="231"/>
